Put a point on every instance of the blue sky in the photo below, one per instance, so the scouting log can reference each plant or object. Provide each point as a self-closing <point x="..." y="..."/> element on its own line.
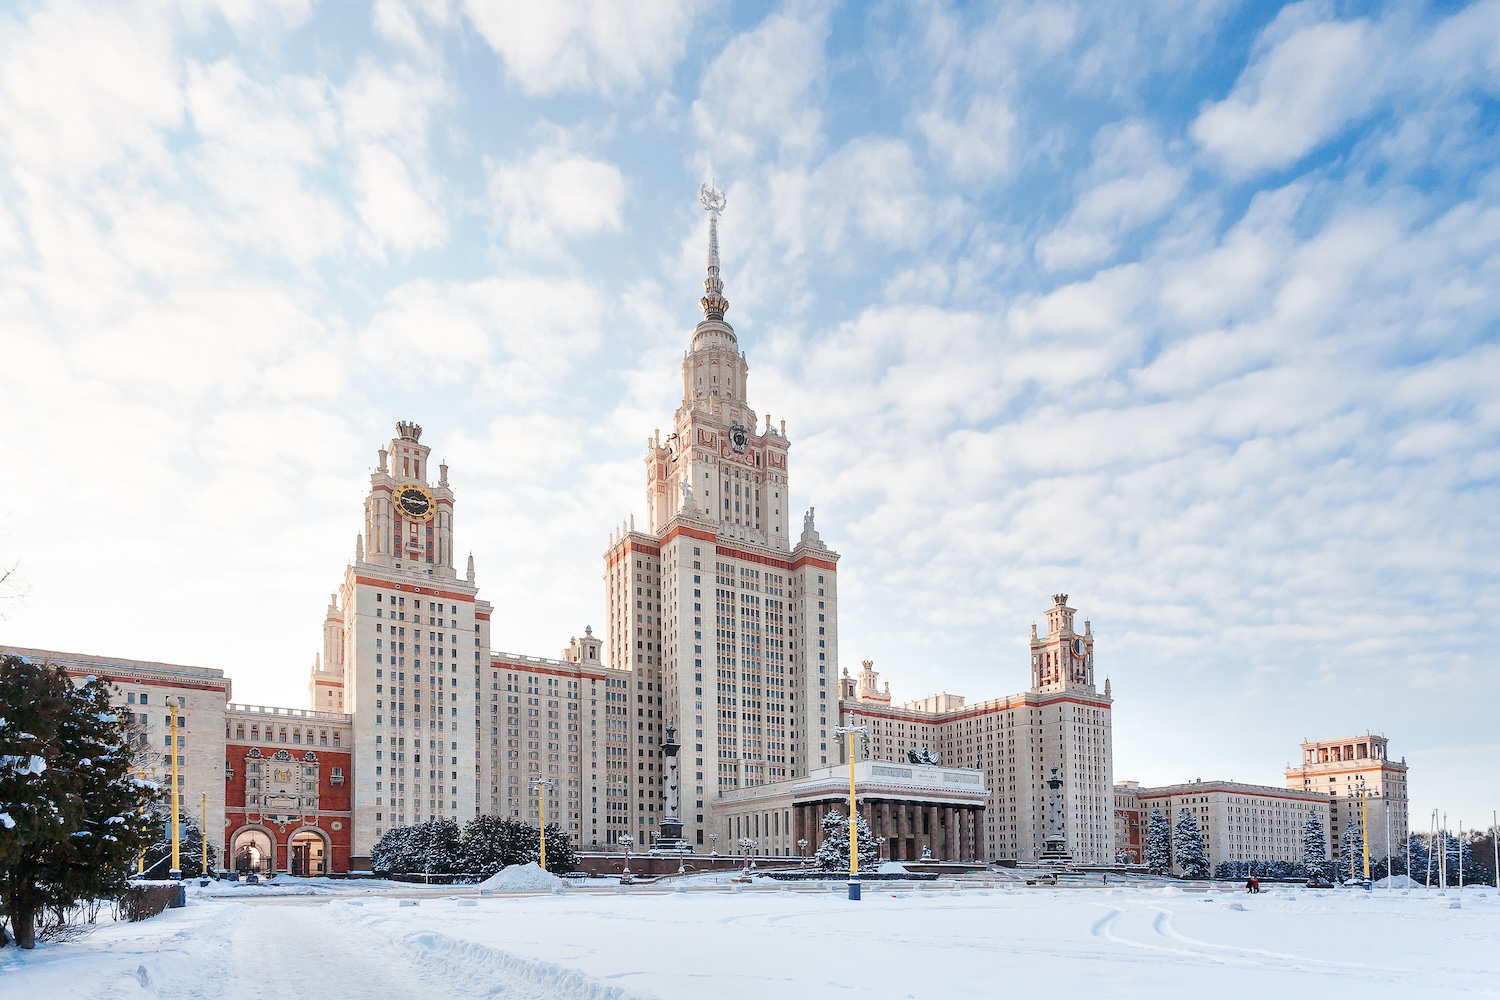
<point x="1188" y="311"/>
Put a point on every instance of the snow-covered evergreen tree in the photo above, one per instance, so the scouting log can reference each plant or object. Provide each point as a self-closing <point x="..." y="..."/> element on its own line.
<point x="1159" y="844"/>
<point x="1187" y="846"/>
<point x="1422" y="861"/>
<point x="1352" y="850"/>
<point x="441" y="846"/>
<point x="1314" y="846"/>
<point x="189" y="847"/>
<point x="833" y="854"/>
<point x="491" y="843"/>
<point x="72" y="816"/>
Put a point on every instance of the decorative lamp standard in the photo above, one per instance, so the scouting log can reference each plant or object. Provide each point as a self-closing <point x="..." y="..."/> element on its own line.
<point x="176" y="872"/>
<point x="540" y="786"/>
<point x="626" y="840"/>
<point x="853" y="813"/>
<point x="747" y="845"/>
<point x="802" y="849"/>
<point x="713" y="843"/>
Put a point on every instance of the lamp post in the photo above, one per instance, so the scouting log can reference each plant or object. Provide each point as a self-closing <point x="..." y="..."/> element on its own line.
<point x="626" y="840"/>
<point x="1364" y="828"/>
<point x="850" y="731"/>
<point x="713" y="843"/>
<point x="203" y="841"/>
<point x="176" y="872"/>
<point x="540" y="786"/>
<point x="802" y="849"/>
<point x="747" y="845"/>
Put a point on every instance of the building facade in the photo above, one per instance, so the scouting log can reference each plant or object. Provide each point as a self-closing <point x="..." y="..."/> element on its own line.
<point x="288" y="778"/>
<point x="1130" y="830"/>
<point x="1345" y="770"/>
<point x="559" y="733"/>
<point x="915" y="811"/>
<point x="406" y="645"/>
<point x="1239" y="822"/>
<point x="147" y="689"/>
<point x="726" y="626"/>
<point x="1062" y="720"/>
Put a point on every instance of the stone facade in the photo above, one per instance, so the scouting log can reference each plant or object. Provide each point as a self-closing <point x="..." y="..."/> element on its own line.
<point x="1130" y="827"/>
<point x="916" y="810"/>
<point x="559" y="724"/>
<point x="1062" y="721"/>
<point x="146" y="688"/>
<point x="1344" y="769"/>
<point x="727" y="627"/>
<point x="288" y="778"/>
<point x="1239" y="822"/>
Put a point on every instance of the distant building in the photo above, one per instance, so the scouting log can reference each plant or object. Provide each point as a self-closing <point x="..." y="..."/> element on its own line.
<point x="1130" y="831"/>
<point x="145" y="689"/>
<point x="1341" y="770"/>
<point x="1239" y="822"/>
<point x="1062" y="720"/>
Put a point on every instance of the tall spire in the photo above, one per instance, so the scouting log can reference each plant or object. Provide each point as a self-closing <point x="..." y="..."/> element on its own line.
<point x="713" y="302"/>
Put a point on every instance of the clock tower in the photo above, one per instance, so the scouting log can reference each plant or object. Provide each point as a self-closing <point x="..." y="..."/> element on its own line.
<point x="405" y="644"/>
<point x="1063" y="659"/>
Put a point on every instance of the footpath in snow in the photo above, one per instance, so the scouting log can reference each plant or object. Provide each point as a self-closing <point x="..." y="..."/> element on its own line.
<point x="900" y="941"/>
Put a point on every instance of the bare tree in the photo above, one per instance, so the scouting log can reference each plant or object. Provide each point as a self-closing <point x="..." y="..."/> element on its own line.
<point x="12" y="586"/>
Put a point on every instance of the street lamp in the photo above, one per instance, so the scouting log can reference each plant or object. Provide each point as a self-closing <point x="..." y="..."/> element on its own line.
<point x="626" y="840"/>
<point x="853" y="813"/>
<point x="713" y="842"/>
<point x="176" y="872"/>
<point x="1364" y="827"/>
<point x="747" y="845"/>
<point x="540" y="785"/>
<point x="802" y="849"/>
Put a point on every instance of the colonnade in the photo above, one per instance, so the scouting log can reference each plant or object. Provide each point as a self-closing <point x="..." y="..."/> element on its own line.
<point x="951" y="831"/>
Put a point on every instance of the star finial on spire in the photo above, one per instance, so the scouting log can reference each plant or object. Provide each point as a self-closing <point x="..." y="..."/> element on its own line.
<point x="713" y="302"/>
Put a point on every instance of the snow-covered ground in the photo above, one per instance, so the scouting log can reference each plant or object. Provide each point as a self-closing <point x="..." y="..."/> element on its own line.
<point x="795" y="941"/>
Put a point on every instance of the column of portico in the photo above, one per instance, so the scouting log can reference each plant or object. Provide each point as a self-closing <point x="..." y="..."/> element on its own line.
<point x="950" y="847"/>
<point x="885" y="828"/>
<point x="933" y="829"/>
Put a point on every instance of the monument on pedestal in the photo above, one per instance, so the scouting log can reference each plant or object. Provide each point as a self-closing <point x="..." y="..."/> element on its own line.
<point x="1055" y="844"/>
<point x="670" y="841"/>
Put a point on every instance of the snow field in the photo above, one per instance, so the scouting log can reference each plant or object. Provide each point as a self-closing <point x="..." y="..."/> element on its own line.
<point x="900" y="941"/>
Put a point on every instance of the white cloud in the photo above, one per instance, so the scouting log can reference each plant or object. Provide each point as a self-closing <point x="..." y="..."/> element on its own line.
<point x="762" y="87"/>
<point x="516" y="336"/>
<point x="554" y="194"/>
<point x="399" y="210"/>
<point x="1303" y="89"/>
<point x="384" y="113"/>
<point x="81" y="87"/>
<point x="591" y="45"/>
<point x="1130" y="184"/>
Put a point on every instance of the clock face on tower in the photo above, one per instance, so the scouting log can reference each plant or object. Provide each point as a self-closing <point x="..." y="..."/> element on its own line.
<point x="739" y="438"/>
<point x="1077" y="646"/>
<point x="415" y="502"/>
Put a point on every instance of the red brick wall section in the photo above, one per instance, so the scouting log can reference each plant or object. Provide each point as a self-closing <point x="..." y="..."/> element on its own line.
<point x="334" y="802"/>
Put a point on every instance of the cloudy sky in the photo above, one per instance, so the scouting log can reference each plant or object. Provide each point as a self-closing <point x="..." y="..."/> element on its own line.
<point x="1188" y="312"/>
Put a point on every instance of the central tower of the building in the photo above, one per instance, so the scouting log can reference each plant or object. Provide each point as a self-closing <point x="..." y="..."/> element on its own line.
<point x="728" y="627"/>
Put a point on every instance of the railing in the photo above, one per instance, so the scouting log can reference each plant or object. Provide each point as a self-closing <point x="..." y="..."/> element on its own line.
<point x="341" y="718"/>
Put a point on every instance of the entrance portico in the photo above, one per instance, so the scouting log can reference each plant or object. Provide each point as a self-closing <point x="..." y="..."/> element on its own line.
<point x="914" y="807"/>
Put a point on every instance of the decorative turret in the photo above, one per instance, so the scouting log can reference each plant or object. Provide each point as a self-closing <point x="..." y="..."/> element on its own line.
<point x="408" y="431"/>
